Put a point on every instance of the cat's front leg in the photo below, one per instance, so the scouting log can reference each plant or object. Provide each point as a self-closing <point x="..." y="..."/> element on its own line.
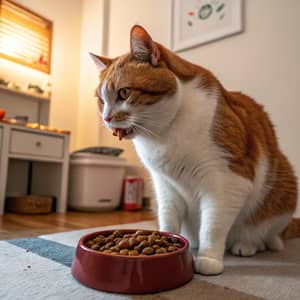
<point x="217" y="217"/>
<point x="171" y="206"/>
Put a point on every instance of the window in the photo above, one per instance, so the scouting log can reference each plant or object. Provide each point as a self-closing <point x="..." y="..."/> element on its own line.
<point x="25" y="37"/>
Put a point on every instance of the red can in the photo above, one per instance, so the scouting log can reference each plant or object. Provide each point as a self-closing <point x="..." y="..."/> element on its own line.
<point x="133" y="193"/>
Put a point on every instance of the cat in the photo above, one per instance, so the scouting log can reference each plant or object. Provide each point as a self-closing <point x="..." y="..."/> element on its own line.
<point x="218" y="173"/>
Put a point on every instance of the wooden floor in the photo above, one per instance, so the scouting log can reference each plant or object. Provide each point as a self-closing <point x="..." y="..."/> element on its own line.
<point x="18" y="225"/>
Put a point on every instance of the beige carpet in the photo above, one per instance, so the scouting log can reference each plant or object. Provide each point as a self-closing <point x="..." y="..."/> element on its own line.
<point x="28" y="273"/>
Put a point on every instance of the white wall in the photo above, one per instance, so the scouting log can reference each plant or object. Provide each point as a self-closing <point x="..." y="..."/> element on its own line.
<point x="66" y="17"/>
<point x="92" y="38"/>
<point x="263" y="61"/>
<point x="154" y="15"/>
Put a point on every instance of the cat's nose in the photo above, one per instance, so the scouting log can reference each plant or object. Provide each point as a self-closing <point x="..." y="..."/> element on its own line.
<point x="107" y="119"/>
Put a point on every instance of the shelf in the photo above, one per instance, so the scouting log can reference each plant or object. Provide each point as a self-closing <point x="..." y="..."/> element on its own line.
<point x="35" y="127"/>
<point x="23" y="93"/>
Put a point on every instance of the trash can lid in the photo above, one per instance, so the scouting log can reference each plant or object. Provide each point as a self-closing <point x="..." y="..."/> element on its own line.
<point x="83" y="158"/>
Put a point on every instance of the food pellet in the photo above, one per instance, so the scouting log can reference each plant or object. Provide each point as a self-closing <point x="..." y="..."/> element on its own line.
<point x="95" y="247"/>
<point x="124" y="252"/>
<point x="139" y="243"/>
<point x="124" y="244"/>
<point x="133" y="252"/>
<point x="148" y="250"/>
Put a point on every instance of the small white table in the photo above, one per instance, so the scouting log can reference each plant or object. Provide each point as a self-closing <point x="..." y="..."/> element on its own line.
<point x="48" y="154"/>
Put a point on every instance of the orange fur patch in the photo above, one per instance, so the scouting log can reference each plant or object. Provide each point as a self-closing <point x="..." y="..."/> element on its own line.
<point x="244" y="130"/>
<point x="148" y="84"/>
<point x="292" y="231"/>
<point x="120" y="116"/>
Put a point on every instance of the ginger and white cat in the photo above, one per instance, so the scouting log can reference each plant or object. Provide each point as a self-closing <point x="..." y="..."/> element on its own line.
<point x="218" y="173"/>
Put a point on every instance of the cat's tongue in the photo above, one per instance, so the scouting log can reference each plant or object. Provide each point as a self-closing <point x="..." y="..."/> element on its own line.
<point x="119" y="132"/>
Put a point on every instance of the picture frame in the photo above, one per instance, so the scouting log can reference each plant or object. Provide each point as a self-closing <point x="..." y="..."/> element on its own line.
<point x="196" y="22"/>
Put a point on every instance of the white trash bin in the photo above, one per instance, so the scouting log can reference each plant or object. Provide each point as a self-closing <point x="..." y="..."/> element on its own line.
<point x="95" y="181"/>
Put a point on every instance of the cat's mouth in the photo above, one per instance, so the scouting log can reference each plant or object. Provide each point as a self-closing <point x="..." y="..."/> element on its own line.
<point x="122" y="132"/>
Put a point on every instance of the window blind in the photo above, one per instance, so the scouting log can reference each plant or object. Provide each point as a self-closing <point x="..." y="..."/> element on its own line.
<point x="25" y="37"/>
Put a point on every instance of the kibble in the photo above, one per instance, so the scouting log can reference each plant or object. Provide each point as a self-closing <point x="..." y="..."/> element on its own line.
<point x="95" y="247"/>
<point x="124" y="252"/>
<point x="107" y="251"/>
<point x="109" y="245"/>
<point x="172" y="248"/>
<point x="133" y="253"/>
<point x="139" y="243"/>
<point x="115" y="249"/>
<point x="148" y="250"/>
<point x="132" y="242"/>
<point x="144" y="244"/>
<point x="161" y="250"/>
<point x="124" y="244"/>
<point x="109" y="239"/>
<point x="140" y="238"/>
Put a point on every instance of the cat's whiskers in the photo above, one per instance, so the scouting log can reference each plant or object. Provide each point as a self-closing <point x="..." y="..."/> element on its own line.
<point x="138" y="122"/>
<point x="143" y="130"/>
<point x="150" y="114"/>
<point x="149" y="120"/>
<point x="138" y="130"/>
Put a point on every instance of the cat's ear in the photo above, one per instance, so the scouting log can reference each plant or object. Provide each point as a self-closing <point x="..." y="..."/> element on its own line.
<point x="100" y="61"/>
<point x="142" y="46"/>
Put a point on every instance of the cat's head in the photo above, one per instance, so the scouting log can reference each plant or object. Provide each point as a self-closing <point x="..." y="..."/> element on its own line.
<point x="138" y="92"/>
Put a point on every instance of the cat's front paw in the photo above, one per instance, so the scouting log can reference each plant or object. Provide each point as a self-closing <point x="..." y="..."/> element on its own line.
<point x="208" y="265"/>
<point x="243" y="249"/>
<point x="275" y="243"/>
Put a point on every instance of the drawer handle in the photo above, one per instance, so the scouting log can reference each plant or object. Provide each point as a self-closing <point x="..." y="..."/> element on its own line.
<point x="38" y="144"/>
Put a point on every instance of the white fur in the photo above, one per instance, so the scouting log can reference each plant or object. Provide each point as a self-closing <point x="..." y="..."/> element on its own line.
<point x="240" y="231"/>
<point x="111" y="106"/>
<point x="191" y="176"/>
<point x="259" y="189"/>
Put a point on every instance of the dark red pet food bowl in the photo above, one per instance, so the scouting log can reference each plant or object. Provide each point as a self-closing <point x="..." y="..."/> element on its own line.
<point x="132" y="274"/>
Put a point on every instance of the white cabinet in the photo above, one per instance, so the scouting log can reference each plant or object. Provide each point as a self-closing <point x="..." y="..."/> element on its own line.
<point x="3" y="166"/>
<point x="1" y="133"/>
<point x="48" y="156"/>
<point x="1" y="138"/>
<point x="36" y="144"/>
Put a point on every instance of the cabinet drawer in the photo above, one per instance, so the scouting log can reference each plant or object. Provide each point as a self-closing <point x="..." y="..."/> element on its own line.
<point x="36" y="144"/>
<point x="0" y="136"/>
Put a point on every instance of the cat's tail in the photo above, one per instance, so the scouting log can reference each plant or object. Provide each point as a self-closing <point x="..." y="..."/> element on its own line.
<point x="293" y="230"/>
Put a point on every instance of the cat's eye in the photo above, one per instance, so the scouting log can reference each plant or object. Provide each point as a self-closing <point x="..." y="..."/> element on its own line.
<point x="124" y="93"/>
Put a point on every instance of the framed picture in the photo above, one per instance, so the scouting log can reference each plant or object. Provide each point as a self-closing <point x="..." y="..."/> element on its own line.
<point x="195" y="22"/>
